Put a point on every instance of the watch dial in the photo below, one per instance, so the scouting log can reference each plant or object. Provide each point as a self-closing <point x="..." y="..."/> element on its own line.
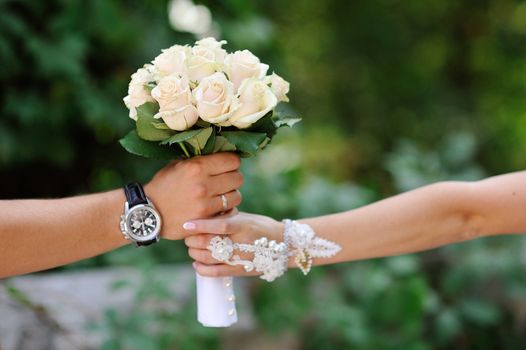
<point x="142" y="222"/>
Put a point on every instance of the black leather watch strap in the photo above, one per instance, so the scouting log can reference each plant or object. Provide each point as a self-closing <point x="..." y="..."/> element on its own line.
<point x="145" y="243"/>
<point x="135" y="194"/>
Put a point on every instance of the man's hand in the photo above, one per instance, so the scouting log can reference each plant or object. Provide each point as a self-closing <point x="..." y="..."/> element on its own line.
<point x="192" y="189"/>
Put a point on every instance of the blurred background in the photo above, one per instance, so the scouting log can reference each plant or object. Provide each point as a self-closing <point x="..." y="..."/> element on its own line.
<point x="393" y="95"/>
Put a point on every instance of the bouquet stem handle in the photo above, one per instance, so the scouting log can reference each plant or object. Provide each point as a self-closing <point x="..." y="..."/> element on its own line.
<point x="216" y="303"/>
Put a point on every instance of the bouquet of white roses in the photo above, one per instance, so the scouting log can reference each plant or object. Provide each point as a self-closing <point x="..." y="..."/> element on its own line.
<point x="200" y="100"/>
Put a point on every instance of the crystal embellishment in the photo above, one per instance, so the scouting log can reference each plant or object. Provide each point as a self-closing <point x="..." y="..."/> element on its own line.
<point x="270" y="257"/>
<point x="303" y="245"/>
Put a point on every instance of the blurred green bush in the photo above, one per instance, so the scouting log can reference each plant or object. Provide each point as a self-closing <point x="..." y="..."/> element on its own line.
<point x="394" y="95"/>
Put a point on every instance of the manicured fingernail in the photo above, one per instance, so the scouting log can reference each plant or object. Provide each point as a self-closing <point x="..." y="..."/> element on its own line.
<point x="189" y="226"/>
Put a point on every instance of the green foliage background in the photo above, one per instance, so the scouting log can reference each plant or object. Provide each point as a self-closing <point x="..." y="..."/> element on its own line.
<point x="394" y="95"/>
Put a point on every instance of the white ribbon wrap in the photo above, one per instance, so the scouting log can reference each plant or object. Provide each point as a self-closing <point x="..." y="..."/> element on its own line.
<point x="216" y="302"/>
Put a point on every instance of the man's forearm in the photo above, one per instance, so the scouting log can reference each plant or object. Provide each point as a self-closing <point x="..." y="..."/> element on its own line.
<point x="41" y="234"/>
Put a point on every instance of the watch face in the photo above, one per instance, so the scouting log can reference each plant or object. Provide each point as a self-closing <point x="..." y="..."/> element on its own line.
<point x="143" y="223"/>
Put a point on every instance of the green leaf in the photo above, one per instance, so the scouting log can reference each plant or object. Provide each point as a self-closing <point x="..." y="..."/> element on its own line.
<point x="264" y="144"/>
<point x="145" y="120"/>
<point x="198" y="141"/>
<point x="202" y="124"/>
<point x="135" y="145"/>
<point x="181" y="136"/>
<point x="161" y="126"/>
<point x="283" y="118"/>
<point x="266" y="125"/>
<point x="286" y="121"/>
<point x="209" y="147"/>
<point x="221" y="144"/>
<point x="245" y="141"/>
<point x="148" y="109"/>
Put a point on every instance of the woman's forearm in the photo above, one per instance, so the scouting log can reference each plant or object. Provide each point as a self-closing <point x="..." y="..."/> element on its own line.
<point x="40" y="234"/>
<point x="428" y="217"/>
<point x="422" y="219"/>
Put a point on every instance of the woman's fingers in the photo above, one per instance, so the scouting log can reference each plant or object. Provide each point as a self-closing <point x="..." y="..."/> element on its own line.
<point x="206" y="265"/>
<point x="202" y="256"/>
<point x="198" y="241"/>
<point x="222" y="270"/>
<point x="218" y="226"/>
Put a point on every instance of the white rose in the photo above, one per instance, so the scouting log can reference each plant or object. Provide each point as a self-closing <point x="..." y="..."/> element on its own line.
<point x="213" y="44"/>
<point x="279" y="86"/>
<point x="207" y="57"/>
<point x="137" y="93"/>
<point x="215" y="99"/>
<point x="175" y="102"/>
<point x="255" y="100"/>
<point x="172" y="61"/>
<point x="242" y="65"/>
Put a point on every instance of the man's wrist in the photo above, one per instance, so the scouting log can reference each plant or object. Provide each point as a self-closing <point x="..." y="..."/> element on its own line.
<point x="111" y="206"/>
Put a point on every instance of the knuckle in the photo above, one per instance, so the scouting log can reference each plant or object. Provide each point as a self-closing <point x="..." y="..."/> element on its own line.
<point x="200" y="190"/>
<point x="191" y="253"/>
<point x="241" y="179"/>
<point x="238" y="179"/>
<point x="197" y="255"/>
<point x="203" y="241"/>
<point x="231" y="160"/>
<point x="236" y="161"/>
<point x="189" y="241"/>
<point x="224" y="227"/>
<point x="203" y="256"/>
<point x="193" y="168"/>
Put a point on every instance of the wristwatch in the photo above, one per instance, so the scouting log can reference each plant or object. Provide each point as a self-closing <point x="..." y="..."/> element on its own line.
<point x="141" y="222"/>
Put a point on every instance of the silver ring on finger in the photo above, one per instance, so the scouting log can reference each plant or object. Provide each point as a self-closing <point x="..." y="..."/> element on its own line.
<point x="224" y="201"/>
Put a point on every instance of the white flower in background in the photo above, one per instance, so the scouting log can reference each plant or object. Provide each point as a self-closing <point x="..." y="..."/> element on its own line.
<point x="175" y="102"/>
<point x="279" y="86"/>
<point x="215" y="99"/>
<point x="186" y="16"/>
<point x="172" y="60"/>
<point x="206" y="58"/>
<point x="242" y="65"/>
<point x="137" y="93"/>
<point x="255" y="100"/>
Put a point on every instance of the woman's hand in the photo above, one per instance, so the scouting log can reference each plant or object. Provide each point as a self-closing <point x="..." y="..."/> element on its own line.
<point x="192" y="189"/>
<point x="240" y="228"/>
